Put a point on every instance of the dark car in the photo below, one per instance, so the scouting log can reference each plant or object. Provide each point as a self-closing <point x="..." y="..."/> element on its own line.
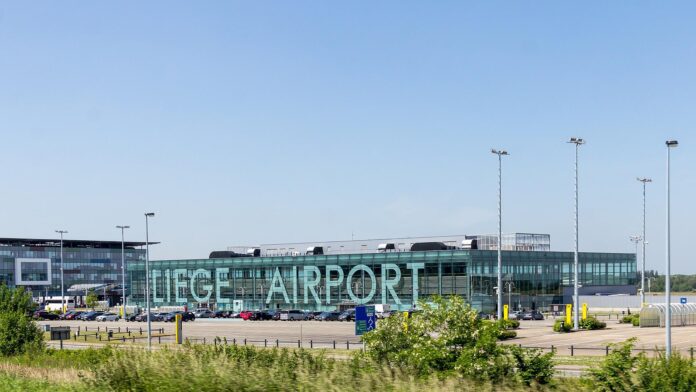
<point x="221" y="314"/>
<point x="262" y="315"/>
<point x="313" y="315"/>
<point x="90" y="316"/>
<point x="185" y="316"/>
<point x="204" y="313"/>
<point x="533" y="315"/>
<point x="73" y="316"/>
<point x="328" y="316"/>
<point x="143" y="317"/>
<point x="347" y="315"/>
<point x="44" y="315"/>
<point x="68" y="314"/>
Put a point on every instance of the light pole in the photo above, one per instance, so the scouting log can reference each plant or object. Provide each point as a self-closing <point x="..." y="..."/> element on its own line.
<point x="500" y="154"/>
<point x="642" y="269"/>
<point x="62" y="286"/>
<point x="123" y="270"/>
<point x="576" y="300"/>
<point x="147" y="279"/>
<point x="668" y="295"/>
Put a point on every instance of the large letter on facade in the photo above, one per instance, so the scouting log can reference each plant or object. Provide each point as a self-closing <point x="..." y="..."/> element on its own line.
<point x="388" y="284"/>
<point x="414" y="267"/>
<point x="311" y="284"/>
<point x="349" y="284"/>
<point x="179" y="285"/>
<point x="220" y="283"/>
<point x="277" y="286"/>
<point x="206" y="287"/>
<point x="332" y="283"/>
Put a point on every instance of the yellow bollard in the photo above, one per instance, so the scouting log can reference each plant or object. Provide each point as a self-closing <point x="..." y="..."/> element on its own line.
<point x="584" y="311"/>
<point x="569" y="312"/>
<point x="506" y="310"/>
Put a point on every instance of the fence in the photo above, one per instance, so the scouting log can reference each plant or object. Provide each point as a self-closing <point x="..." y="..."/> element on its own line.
<point x="574" y="350"/>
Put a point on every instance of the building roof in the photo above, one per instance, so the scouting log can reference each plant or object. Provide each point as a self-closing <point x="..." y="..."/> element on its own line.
<point x="54" y="242"/>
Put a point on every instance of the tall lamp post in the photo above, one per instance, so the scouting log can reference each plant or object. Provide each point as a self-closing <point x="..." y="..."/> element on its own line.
<point x="147" y="279"/>
<point x="500" y="154"/>
<point x="62" y="286"/>
<point x="123" y="270"/>
<point x="668" y="295"/>
<point x="642" y="267"/>
<point x="576" y="299"/>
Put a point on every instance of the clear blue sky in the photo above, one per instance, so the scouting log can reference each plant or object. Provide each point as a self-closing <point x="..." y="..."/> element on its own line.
<point x="244" y="123"/>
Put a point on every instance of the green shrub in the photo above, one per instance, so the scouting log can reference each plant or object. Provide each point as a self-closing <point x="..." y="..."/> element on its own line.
<point x="636" y="321"/>
<point x="509" y="324"/>
<point x="621" y="371"/>
<point x="18" y="332"/>
<point x="533" y="366"/>
<point x="633" y="319"/>
<point x="592" y="323"/>
<point x="561" y="326"/>
<point x="506" y="334"/>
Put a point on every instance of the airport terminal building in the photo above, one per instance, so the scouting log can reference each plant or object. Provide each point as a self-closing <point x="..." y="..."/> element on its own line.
<point x="34" y="263"/>
<point x="399" y="272"/>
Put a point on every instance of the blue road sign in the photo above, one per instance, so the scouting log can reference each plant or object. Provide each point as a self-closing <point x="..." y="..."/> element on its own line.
<point x="682" y="300"/>
<point x="365" y="319"/>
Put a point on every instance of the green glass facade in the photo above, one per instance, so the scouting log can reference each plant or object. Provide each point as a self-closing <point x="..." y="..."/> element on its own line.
<point x="538" y="279"/>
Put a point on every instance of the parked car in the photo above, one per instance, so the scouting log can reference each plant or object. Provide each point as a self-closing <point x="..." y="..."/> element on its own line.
<point x="107" y="317"/>
<point x="185" y="316"/>
<point x="347" y="315"/>
<point x="73" y="316"/>
<point x="142" y="317"/>
<point x="515" y="315"/>
<point x="204" y="313"/>
<point x="533" y="315"/>
<point x="44" y="315"/>
<point x="90" y="316"/>
<point x="292" y="315"/>
<point x="221" y="314"/>
<point x="246" y="315"/>
<point x="264" y="315"/>
<point x="328" y="316"/>
<point x="235" y="315"/>
<point x="313" y="315"/>
<point x="66" y="315"/>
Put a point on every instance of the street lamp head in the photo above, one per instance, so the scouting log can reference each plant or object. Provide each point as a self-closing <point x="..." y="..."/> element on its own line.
<point x="576" y="140"/>
<point x="644" y="180"/>
<point x="499" y="152"/>
<point x="150" y="214"/>
<point x="123" y="227"/>
<point x="672" y="143"/>
<point x="61" y="231"/>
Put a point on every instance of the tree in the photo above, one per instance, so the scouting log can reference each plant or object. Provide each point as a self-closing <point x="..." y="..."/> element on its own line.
<point x="18" y="332"/>
<point x="91" y="300"/>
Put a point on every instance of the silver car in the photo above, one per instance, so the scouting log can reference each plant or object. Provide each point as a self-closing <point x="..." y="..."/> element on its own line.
<point x="108" y="317"/>
<point x="293" y="315"/>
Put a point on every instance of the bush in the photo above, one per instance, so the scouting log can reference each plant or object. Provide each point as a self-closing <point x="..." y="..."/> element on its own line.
<point x="622" y="371"/>
<point x="592" y="323"/>
<point x="446" y="337"/>
<point x="633" y="319"/>
<point x="532" y="365"/>
<point x="505" y="334"/>
<point x="509" y="324"/>
<point x="561" y="326"/>
<point x="18" y="332"/>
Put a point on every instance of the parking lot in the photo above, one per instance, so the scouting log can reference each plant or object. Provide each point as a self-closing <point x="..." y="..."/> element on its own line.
<point x="323" y="334"/>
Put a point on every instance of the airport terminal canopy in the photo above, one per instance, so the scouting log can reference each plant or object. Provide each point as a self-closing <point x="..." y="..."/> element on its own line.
<point x="654" y="315"/>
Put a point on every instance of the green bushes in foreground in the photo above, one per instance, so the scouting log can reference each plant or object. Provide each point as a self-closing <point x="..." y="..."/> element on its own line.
<point x="448" y="338"/>
<point x="591" y="323"/>
<point x="18" y="332"/>
<point x="622" y="371"/>
<point x="561" y="326"/>
<point x="633" y="319"/>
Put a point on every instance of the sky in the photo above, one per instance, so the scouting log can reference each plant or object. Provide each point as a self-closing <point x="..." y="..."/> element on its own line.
<point x="241" y="123"/>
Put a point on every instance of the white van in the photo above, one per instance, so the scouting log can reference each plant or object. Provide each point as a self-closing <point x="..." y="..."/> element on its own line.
<point x="56" y="304"/>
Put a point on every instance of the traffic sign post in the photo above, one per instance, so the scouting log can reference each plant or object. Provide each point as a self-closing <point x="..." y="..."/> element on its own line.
<point x="682" y="300"/>
<point x="365" y="319"/>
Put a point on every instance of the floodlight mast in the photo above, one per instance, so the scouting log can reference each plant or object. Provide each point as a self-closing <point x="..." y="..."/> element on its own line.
<point x="668" y="294"/>
<point x="644" y="242"/>
<point x="576" y="317"/>
<point x="500" y="154"/>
